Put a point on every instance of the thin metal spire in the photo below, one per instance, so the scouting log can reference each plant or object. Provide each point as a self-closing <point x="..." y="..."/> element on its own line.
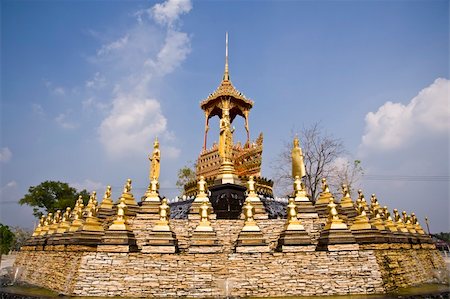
<point x="226" y="75"/>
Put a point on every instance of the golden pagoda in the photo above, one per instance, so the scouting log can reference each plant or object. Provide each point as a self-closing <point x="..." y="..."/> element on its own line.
<point x="227" y="102"/>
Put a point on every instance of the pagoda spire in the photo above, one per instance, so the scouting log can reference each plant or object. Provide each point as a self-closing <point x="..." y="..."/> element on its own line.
<point x="226" y="75"/>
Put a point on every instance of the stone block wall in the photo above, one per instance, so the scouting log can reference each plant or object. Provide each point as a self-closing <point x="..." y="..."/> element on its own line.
<point x="55" y="270"/>
<point x="227" y="230"/>
<point x="367" y="271"/>
<point x="402" y="268"/>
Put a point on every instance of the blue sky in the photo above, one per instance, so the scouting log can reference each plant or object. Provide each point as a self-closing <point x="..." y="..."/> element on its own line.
<point x="86" y="86"/>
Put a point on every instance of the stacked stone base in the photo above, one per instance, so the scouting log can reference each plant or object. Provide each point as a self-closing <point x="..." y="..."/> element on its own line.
<point x="84" y="271"/>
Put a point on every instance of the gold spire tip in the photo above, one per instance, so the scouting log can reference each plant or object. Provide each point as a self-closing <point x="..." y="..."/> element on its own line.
<point x="226" y="75"/>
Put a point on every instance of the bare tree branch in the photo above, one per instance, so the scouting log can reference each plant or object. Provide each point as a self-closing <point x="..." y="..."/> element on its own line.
<point x="323" y="156"/>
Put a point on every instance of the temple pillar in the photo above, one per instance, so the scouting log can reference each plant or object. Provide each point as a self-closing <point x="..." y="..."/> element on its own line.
<point x="206" y="130"/>
<point x="246" y="126"/>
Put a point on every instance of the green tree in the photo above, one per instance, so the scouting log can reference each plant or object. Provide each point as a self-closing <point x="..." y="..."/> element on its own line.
<point x="443" y="236"/>
<point x="6" y="240"/>
<point x="50" y="196"/>
<point x="185" y="175"/>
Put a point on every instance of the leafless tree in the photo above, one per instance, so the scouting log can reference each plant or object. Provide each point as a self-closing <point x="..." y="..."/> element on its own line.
<point x="321" y="153"/>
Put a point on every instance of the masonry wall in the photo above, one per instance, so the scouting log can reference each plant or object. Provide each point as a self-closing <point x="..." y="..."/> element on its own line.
<point x="402" y="268"/>
<point x="206" y="275"/>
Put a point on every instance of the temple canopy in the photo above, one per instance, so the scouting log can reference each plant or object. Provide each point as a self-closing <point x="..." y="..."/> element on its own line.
<point x="226" y="97"/>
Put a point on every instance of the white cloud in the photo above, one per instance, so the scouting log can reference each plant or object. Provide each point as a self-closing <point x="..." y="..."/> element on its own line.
<point x="168" y="12"/>
<point x="133" y="61"/>
<point x="115" y="45"/>
<point x="89" y="185"/>
<point x="11" y="184"/>
<point x="62" y="121"/>
<point x="97" y="82"/>
<point x="5" y="154"/>
<point x="395" y="125"/>
<point x="174" y="51"/>
<point x="131" y="125"/>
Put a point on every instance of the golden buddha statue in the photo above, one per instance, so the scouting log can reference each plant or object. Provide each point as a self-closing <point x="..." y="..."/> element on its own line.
<point x="226" y="136"/>
<point x="298" y="165"/>
<point x="325" y="187"/>
<point x="155" y="160"/>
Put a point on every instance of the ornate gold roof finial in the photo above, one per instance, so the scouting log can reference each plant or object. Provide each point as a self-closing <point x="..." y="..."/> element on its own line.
<point x="120" y="222"/>
<point x="399" y="222"/>
<point x="292" y="222"/>
<point x="127" y="187"/>
<point x="226" y="75"/>
<point x="416" y="224"/>
<point x="92" y="199"/>
<point x="334" y="222"/>
<point x="107" y="203"/>
<point x="164" y="212"/>
<point x="363" y="200"/>
<point x="249" y="212"/>
<point x="64" y="225"/>
<point x="47" y="222"/>
<point x="205" y="224"/>
<point x="38" y="229"/>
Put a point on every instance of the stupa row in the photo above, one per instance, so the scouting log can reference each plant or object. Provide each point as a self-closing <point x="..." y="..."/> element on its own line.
<point x="105" y="227"/>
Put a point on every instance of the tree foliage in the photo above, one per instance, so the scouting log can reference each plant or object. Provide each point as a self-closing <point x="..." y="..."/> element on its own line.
<point x="185" y="175"/>
<point x="6" y="239"/>
<point x="50" y="196"/>
<point x="323" y="156"/>
<point x="443" y="236"/>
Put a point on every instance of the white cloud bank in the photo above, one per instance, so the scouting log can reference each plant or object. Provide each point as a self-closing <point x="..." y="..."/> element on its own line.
<point x="405" y="154"/>
<point x="135" y="117"/>
<point x="168" y="12"/>
<point x="5" y="154"/>
<point x="395" y="125"/>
